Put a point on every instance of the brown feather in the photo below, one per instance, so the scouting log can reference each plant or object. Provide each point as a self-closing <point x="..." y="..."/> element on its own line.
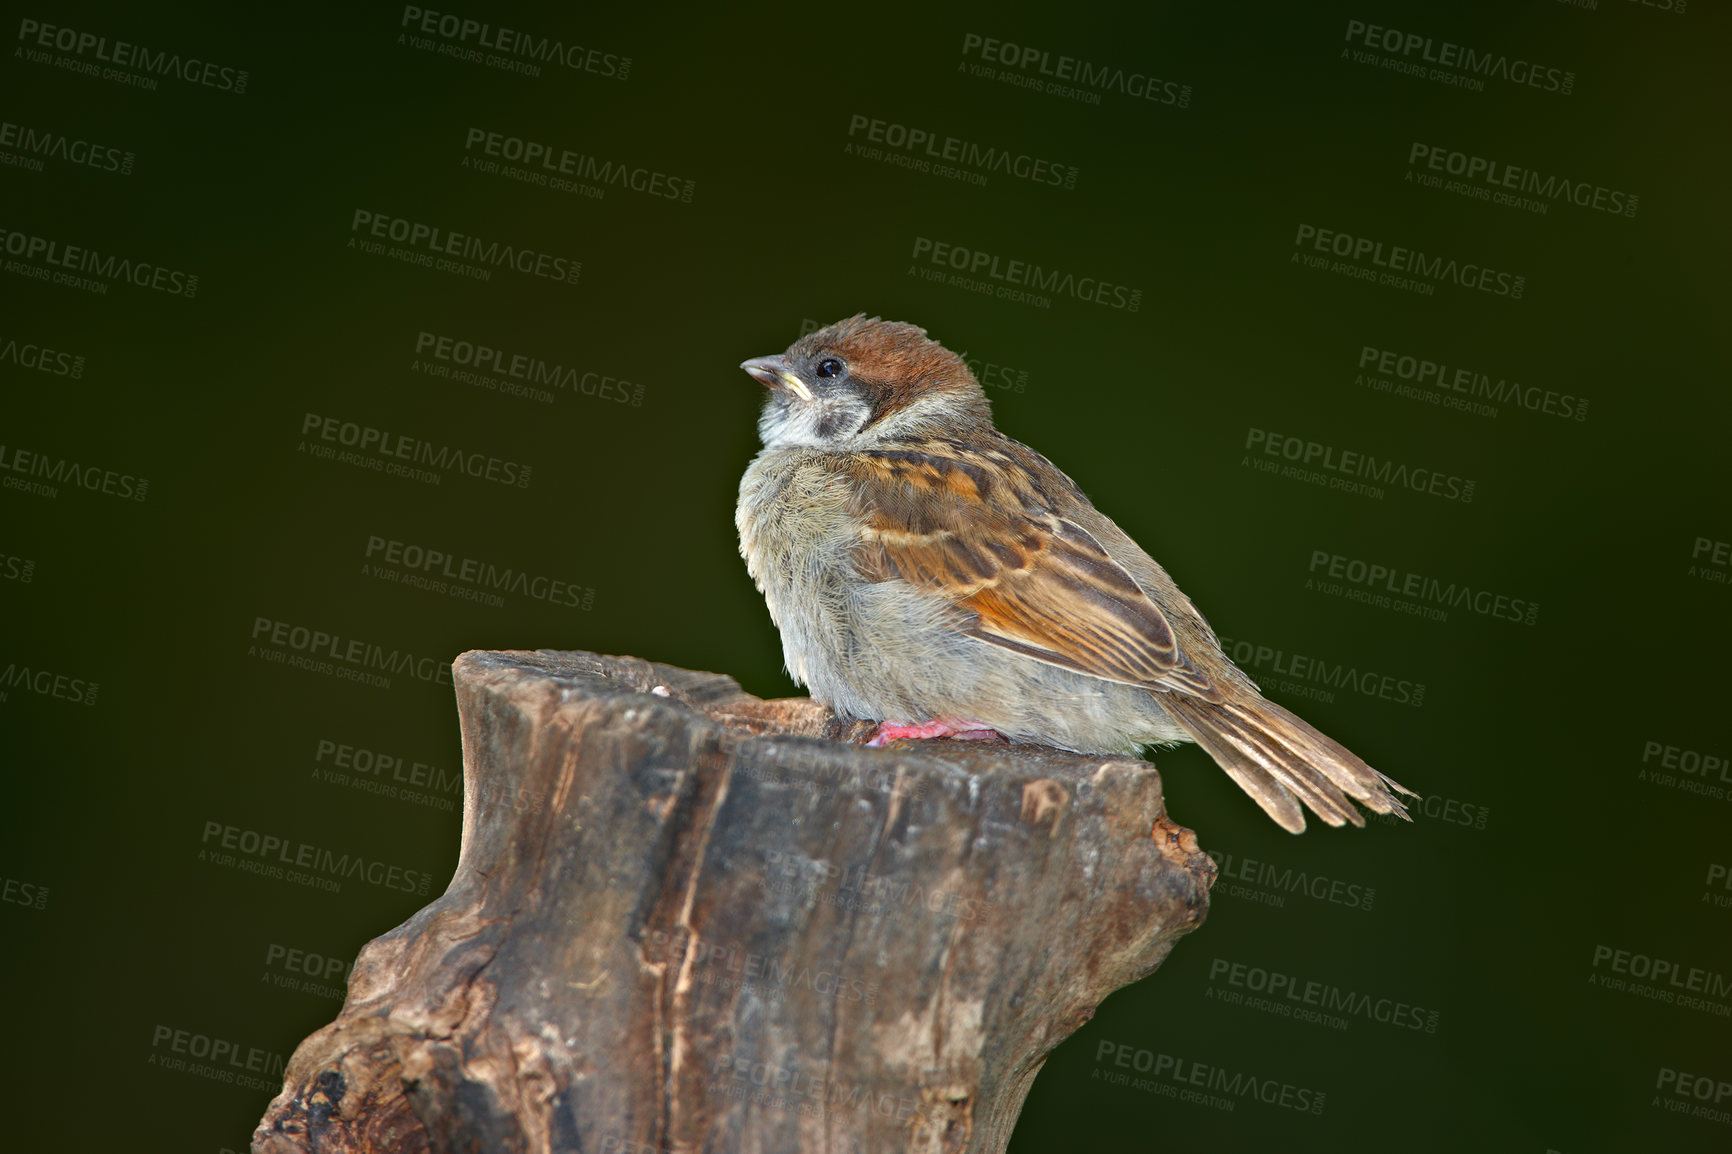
<point x="1030" y="580"/>
<point x="1037" y="583"/>
<point x="1253" y="777"/>
<point x="1298" y="757"/>
<point x="895" y="362"/>
<point x="1017" y="558"/>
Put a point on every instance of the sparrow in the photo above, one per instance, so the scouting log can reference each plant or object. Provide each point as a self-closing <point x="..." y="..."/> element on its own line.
<point x="928" y="573"/>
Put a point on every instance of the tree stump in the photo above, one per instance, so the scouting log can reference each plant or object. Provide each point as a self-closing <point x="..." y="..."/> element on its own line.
<point x="687" y="919"/>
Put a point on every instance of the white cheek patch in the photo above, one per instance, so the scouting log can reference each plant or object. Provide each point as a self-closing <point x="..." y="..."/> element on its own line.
<point x="825" y="421"/>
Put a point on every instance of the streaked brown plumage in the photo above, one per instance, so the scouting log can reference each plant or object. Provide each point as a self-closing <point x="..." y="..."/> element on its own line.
<point x="923" y="567"/>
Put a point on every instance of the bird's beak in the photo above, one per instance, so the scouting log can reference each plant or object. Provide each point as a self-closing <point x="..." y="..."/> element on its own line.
<point x="774" y="372"/>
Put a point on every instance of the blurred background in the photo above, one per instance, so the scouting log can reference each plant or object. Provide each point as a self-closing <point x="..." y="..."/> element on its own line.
<point x="339" y="339"/>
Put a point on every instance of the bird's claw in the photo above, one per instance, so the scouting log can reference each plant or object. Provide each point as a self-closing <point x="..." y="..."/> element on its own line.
<point x="953" y="728"/>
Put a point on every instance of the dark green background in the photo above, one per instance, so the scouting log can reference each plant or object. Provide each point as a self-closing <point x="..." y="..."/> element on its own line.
<point x="1542" y="728"/>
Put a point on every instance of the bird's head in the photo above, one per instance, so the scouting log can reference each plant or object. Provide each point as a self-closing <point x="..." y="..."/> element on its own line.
<point x="863" y="376"/>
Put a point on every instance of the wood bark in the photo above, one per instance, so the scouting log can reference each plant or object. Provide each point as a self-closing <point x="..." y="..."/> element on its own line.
<point x="687" y="919"/>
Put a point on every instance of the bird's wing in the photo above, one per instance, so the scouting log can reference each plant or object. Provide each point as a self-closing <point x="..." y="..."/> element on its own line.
<point x="975" y="526"/>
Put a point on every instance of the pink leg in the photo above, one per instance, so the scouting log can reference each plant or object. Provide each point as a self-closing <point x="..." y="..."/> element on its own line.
<point x="951" y="727"/>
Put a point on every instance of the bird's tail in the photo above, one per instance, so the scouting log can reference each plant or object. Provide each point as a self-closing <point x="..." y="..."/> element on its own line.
<point x="1281" y="761"/>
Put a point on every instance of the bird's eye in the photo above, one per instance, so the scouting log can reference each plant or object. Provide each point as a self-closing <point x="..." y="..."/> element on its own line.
<point x="829" y="367"/>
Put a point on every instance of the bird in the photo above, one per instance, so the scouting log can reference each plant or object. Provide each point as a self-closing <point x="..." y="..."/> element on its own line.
<point x="930" y="574"/>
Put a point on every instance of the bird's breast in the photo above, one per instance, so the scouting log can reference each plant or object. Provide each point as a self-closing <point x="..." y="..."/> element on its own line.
<point x="796" y="536"/>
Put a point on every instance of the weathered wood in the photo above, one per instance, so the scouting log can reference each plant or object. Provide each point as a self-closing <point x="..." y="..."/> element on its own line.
<point x="685" y="919"/>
